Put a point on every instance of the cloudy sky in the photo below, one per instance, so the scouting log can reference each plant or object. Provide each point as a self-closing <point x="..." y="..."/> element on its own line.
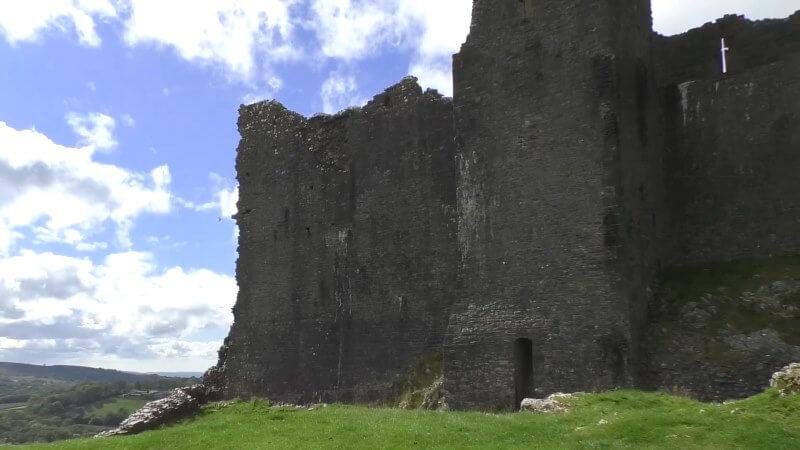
<point x="117" y="145"/>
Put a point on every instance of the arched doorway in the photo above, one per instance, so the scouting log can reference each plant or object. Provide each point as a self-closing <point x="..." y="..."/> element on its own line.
<point x="523" y="370"/>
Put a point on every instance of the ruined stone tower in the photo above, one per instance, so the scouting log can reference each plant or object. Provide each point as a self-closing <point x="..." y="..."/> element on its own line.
<point x="555" y="233"/>
<point x="515" y="232"/>
<point x="346" y="248"/>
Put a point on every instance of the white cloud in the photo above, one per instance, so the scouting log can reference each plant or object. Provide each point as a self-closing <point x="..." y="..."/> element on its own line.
<point x="126" y="307"/>
<point x="257" y="96"/>
<point x="128" y="120"/>
<point x="228" y="199"/>
<point x="61" y="194"/>
<point x="271" y="85"/>
<point x="274" y="83"/>
<point x="435" y="73"/>
<point x="227" y="32"/>
<point x="91" y="246"/>
<point x="444" y="26"/>
<point x="25" y="20"/>
<point x="224" y="199"/>
<point x="246" y="37"/>
<point x="339" y="91"/>
<point x="676" y="16"/>
<point x="352" y="29"/>
<point x="95" y="129"/>
<point x="224" y="203"/>
<point x="236" y="33"/>
<point x="165" y="242"/>
<point x="200" y="207"/>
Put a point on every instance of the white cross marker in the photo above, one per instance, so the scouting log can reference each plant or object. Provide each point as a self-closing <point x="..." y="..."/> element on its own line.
<point x="724" y="57"/>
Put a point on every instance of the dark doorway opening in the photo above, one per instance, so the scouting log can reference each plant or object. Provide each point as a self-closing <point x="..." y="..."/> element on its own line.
<point x="523" y="370"/>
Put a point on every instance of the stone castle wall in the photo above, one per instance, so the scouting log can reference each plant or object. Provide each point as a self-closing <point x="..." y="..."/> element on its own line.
<point x="732" y="164"/>
<point x="347" y="247"/>
<point x="732" y="183"/>
<point x="519" y="228"/>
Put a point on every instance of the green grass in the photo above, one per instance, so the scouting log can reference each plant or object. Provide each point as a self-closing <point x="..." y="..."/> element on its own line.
<point x="728" y="280"/>
<point x="737" y="276"/>
<point x="620" y="419"/>
<point x="126" y="404"/>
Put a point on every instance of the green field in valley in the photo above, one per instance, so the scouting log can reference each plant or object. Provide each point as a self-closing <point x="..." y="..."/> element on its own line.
<point x="127" y="405"/>
<point x="49" y="403"/>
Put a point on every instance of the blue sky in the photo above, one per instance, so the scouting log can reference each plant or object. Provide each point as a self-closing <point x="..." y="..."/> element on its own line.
<point x="117" y="146"/>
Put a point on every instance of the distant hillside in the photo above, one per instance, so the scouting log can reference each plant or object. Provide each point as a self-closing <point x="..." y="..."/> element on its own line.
<point x="180" y="374"/>
<point x="73" y="373"/>
<point x="46" y="403"/>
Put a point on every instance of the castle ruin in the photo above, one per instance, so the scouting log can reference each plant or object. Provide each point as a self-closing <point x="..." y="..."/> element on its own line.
<point x="518" y="229"/>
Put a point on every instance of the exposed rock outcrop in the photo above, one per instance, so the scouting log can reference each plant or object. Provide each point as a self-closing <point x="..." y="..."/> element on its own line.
<point x="787" y="380"/>
<point x="423" y="386"/>
<point x="552" y="404"/>
<point x="720" y="331"/>
<point x="434" y="398"/>
<point x="180" y="403"/>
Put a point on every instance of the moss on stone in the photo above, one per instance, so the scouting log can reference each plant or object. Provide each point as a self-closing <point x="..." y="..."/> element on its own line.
<point x="419" y="387"/>
<point x="726" y="299"/>
<point x="720" y="353"/>
<point x="732" y="278"/>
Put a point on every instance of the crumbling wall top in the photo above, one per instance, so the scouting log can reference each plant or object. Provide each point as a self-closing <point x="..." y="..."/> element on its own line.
<point x="695" y="55"/>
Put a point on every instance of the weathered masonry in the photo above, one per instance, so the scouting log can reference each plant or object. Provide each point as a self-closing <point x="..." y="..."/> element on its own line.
<point x="347" y="249"/>
<point x="518" y="230"/>
<point x="554" y="197"/>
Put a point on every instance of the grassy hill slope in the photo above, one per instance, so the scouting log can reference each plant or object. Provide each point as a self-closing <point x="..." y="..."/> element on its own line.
<point x="46" y="403"/>
<point x="621" y="419"/>
<point x="72" y="373"/>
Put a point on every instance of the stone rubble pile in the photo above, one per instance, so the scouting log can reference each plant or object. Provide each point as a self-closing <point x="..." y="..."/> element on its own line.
<point x="552" y="404"/>
<point x="434" y="398"/>
<point x="180" y="403"/>
<point x="787" y="380"/>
